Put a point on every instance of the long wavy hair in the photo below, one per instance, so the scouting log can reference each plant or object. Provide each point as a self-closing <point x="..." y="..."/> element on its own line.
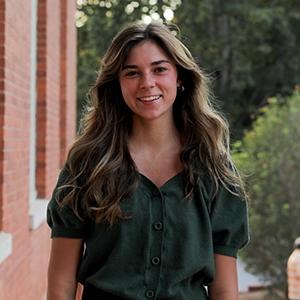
<point x="99" y="162"/>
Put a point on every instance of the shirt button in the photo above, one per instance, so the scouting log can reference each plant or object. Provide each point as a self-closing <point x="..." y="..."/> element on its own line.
<point x="158" y="226"/>
<point x="149" y="294"/>
<point x="155" y="261"/>
<point x="155" y="193"/>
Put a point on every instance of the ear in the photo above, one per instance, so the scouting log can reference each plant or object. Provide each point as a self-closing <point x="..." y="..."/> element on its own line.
<point x="179" y="82"/>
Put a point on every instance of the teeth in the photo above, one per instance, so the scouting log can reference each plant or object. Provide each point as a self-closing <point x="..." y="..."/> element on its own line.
<point x="151" y="98"/>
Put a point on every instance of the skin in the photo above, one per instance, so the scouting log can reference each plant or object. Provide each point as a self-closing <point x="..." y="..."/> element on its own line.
<point x="63" y="268"/>
<point x="149" y="82"/>
<point x="225" y="286"/>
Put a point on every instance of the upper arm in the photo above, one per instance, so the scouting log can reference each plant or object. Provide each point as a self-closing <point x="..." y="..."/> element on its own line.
<point x="63" y="267"/>
<point x="225" y="286"/>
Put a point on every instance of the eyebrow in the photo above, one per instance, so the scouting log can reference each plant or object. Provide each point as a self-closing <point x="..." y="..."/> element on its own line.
<point x="158" y="62"/>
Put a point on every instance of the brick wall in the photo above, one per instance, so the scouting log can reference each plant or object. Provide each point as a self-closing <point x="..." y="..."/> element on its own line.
<point x="23" y="272"/>
<point x="48" y="105"/>
<point x="68" y="66"/>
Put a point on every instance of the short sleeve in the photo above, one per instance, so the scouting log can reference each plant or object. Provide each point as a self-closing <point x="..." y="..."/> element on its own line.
<point x="62" y="220"/>
<point x="229" y="219"/>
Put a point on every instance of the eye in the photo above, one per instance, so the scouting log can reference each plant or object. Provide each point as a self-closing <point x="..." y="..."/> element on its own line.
<point x="131" y="73"/>
<point x="160" y="69"/>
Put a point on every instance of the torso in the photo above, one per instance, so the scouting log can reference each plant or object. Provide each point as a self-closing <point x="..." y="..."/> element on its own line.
<point x="162" y="225"/>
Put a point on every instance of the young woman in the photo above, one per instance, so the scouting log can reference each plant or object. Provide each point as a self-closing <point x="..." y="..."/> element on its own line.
<point x="148" y="204"/>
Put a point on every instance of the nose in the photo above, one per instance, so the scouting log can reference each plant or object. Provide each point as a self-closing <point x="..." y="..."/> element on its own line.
<point x="147" y="81"/>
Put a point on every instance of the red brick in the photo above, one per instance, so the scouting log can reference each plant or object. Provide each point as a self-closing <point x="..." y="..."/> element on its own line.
<point x="23" y="274"/>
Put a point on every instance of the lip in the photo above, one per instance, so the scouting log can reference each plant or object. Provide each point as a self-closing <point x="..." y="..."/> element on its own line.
<point x="149" y="98"/>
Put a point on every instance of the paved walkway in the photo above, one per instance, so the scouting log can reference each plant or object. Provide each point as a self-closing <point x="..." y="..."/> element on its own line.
<point x="259" y="295"/>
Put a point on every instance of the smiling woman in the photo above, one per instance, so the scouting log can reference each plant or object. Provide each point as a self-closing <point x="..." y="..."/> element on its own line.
<point x="148" y="188"/>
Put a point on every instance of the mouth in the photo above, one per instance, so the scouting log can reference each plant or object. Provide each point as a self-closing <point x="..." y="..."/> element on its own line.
<point x="149" y="99"/>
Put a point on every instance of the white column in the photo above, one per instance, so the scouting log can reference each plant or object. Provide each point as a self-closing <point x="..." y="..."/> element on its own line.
<point x="37" y="207"/>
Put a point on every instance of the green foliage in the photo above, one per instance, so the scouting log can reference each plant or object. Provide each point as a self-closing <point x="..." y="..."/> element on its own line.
<point x="251" y="47"/>
<point x="270" y="155"/>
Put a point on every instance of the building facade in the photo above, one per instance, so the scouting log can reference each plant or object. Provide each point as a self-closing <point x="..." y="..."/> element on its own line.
<point x="37" y="124"/>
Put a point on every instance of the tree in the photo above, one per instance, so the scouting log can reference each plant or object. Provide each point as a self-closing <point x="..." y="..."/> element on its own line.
<point x="251" y="48"/>
<point x="270" y="155"/>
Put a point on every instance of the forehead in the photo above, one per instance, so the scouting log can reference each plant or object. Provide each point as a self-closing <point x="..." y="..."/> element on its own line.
<point x="146" y="50"/>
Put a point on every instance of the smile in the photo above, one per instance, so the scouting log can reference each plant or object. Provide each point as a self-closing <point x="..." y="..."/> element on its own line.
<point x="150" y="98"/>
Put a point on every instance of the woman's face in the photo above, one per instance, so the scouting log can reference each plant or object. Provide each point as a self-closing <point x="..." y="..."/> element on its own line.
<point x="149" y="82"/>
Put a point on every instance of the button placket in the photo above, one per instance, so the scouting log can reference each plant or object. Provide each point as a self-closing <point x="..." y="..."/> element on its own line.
<point x="155" y="250"/>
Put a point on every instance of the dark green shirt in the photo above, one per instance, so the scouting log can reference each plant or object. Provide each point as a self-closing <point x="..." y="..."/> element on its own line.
<point x="166" y="250"/>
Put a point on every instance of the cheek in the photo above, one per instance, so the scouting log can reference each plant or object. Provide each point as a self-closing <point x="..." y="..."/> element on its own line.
<point x="127" y="96"/>
<point x="126" y="88"/>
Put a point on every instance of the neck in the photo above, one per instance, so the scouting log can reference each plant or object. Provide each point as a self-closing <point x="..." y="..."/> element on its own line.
<point x="154" y="135"/>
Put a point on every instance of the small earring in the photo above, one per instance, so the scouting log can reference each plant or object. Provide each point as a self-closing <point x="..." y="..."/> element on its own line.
<point x="180" y="88"/>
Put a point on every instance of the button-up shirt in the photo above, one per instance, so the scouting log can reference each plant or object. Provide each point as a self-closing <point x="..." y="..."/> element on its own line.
<point x="166" y="249"/>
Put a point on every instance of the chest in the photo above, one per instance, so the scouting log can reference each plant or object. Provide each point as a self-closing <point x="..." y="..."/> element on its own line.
<point x="159" y="168"/>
